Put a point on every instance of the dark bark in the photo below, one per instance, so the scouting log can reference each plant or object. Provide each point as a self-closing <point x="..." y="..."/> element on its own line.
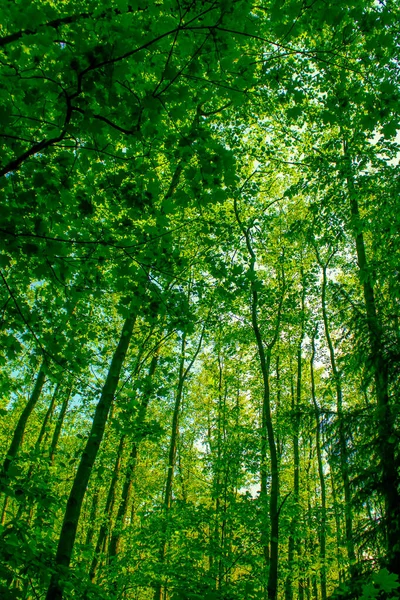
<point x="92" y="516"/>
<point x="171" y="462"/>
<point x="77" y="494"/>
<point x="38" y="443"/>
<point x="344" y="468"/>
<point x="47" y="417"/>
<point x="338" y="526"/>
<point x="389" y="485"/>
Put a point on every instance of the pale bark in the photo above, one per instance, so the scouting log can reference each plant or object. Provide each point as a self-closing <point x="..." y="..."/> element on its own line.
<point x="343" y="450"/>
<point x="321" y="475"/>
<point x="182" y="376"/>
<point x="268" y="438"/>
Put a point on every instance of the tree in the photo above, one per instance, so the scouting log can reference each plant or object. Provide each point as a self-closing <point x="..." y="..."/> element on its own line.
<point x="199" y="300"/>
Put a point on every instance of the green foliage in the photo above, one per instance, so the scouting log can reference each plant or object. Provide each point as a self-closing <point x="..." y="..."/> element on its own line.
<point x="226" y="172"/>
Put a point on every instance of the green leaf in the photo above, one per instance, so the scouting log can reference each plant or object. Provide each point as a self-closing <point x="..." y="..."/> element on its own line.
<point x="386" y="581"/>
<point x="369" y="591"/>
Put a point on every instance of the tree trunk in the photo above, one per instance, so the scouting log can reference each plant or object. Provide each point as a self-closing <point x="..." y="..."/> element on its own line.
<point x="294" y="538"/>
<point x="77" y="494"/>
<point x="20" y="428"/>
<point x="344" y="468"/>
<point x="268" y="433"/>
<point x="38" y="443"/>
<point x="215" y="543"/>
<point x="289" y="578"/>
<point x="47" y="417"/>
<point x="105" y="526"/>
<point x="92" y="517"/>
<point x="267" y="426"/>
<point x="183" y="373"/>
<point x="384" y="414"/>
<point x="130" y="469"/>
<point x="338" y="526"/>
<point x="322" y="524"/>
<point x="58" y="427"/>
<point x="171" y="463"/>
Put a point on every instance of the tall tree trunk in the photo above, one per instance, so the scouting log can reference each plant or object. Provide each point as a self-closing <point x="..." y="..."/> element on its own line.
<point x="58" y="426"/>
<point x="344" y="468"/>
<point x="108" y="510"/>
<point x="171" y="463"/>
<point x="38" y="443"/>
<point x="268" y="432"/>
<point x="339" y="544"/>
<point x="20" y="428"/>
<point x="322" y="522"/>
<point x="92" y="517"/>
<point x="215" y="544"/>
<point x="47" y="417"/>
<point x="289" y="578"/>
<point x="294" y="538"/>
<point x="225" y="538"/>
<point x="296" y="475"/>
<point x="183" y="373"/>
<point x="384" y="415"/>
<point x="77" y="494"/>
<point x="116" y="535"/>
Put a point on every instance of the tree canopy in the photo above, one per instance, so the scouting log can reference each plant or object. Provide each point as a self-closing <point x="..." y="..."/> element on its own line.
<point x="200" y="296"/>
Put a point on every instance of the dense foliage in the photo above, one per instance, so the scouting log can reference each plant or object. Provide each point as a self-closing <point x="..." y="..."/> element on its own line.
<point x="200" y="296"/>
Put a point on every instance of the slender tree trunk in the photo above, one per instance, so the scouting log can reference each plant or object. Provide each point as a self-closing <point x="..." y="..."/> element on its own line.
<point x="338" y="526"/>
<point x="264" y="495"/>
<point x="344" y="468"/>
<point x="322" y="523"/>
<point x="115" y="542"/>
<point x="294" y="538"/>
<point x="116" y="535"/>
<point x="171" y="463"/>
<point x="47" y="416"/>
<point x="268" y="432"/>
<point x="92" y="517"/>
<point x="58" y="427"/>
<point x="268" y="427"/>
<point x="278" y="404"/>
<point x="289" y="578"/>
<point x="217" y="481"/>
<point x="77" y="494"/>
<point x="225" y="543"/>
<point x="38" y="443"/>
<point x="183" y="373"/>
<point x="384" y="414"/>
<point x="20" y="428"/>
<point x="311" y="544"/>
<point x="109" y="507"/>
<point x="296" y="442"/>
